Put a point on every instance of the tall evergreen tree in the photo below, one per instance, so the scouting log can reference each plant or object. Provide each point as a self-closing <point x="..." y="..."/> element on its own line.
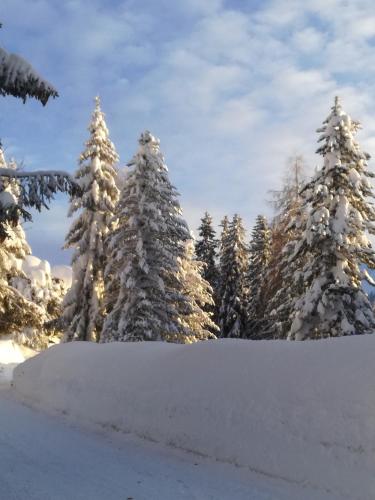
<point x="16" y="311"/>
<point x="145" y="293"/>
<point x="334" y="244"/>
<point x="234" y="265"/>
<point x="36" y="302"/>
<point x="224" y="233"/>
<point x="259" y="260"/>
<point x="15" y="244"/>
<point x="196" y="317"/>
<point x="206" y="250"/>
<point x="222" y="244"/>
<point x="280" y="286"/>
<point x="96" y="175"/>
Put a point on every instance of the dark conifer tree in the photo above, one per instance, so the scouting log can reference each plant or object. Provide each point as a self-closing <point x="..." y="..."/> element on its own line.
<point x="206" y="250"/>
<point x="234" y="265"/>
<point x="256" y="278"/>
<point x="207" y="253"/>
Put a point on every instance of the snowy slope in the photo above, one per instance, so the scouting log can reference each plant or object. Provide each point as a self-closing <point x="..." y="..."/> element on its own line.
<point x="302" y="411"/>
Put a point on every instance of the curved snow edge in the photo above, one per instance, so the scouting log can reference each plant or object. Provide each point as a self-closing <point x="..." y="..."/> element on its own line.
<point x="302" y="411"/>
<point x="11" y="355"/>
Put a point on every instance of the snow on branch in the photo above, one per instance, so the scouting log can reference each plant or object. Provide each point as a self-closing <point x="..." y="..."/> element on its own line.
<point x="37" y="188"/>
<point x="19" y="79"/>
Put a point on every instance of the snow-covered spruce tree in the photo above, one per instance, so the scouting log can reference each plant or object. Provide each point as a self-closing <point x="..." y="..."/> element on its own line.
<point x="37" y="294"/>
<point x="279" y="285"/>
<point x="206" y="250"/>
<point x="145" y="293"/>
<point x="195" y="317"/>
<point x="224" y="233"/>
<point x="256" y="277"/>
<point x="234" y="266"/>
<point x="37" y="285"/>
<point x="16" y="311"/>
<point x="96" y="175"/>
<point x="222" y="244"/>
<point x="15" y="244"/>
<point x="334" y="244"/>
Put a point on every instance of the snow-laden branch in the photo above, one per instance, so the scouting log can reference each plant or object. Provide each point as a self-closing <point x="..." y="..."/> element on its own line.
<point x="19" y="79"/>
<point x="37" y="188"/>
<point x="10" y="172"/>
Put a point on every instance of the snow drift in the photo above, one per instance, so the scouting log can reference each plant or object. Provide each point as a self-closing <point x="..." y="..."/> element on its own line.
<point x="302" y="411"/>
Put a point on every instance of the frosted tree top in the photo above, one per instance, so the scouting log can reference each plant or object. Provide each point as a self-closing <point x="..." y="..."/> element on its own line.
<point x="338" y="138"/>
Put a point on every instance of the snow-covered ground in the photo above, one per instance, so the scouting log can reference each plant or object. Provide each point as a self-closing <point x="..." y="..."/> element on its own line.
<point x="303" y="412"/>
<point x="46" y="458"/>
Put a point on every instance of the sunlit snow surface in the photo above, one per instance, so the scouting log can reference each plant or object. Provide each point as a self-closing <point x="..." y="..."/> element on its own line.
<point x="301" y="411"/>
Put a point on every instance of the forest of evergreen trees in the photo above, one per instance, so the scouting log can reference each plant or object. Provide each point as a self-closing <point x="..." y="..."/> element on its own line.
<point x="301" y="276"/>
<point x="139" y="275"/>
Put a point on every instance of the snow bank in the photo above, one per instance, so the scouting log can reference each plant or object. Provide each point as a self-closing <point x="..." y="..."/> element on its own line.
<point x="11" y="355"/>
<point x="302" y="411"/>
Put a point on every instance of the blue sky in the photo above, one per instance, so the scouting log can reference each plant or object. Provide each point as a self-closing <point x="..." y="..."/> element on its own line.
<point x="232" y="89"/>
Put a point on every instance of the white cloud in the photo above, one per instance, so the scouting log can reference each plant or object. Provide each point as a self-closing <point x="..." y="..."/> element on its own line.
<point x="232" y="93"/>
<point x="309" y="40"/>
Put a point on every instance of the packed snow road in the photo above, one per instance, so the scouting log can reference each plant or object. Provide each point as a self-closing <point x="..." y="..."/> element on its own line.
<point x="44" y="457"/>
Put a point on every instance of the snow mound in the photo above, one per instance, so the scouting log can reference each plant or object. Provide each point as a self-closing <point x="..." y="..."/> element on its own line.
<point x="11" y="355"/>
<point x="63" y="273"/>
<point x="37" y="270"/>
<point x="301" y="411"/>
